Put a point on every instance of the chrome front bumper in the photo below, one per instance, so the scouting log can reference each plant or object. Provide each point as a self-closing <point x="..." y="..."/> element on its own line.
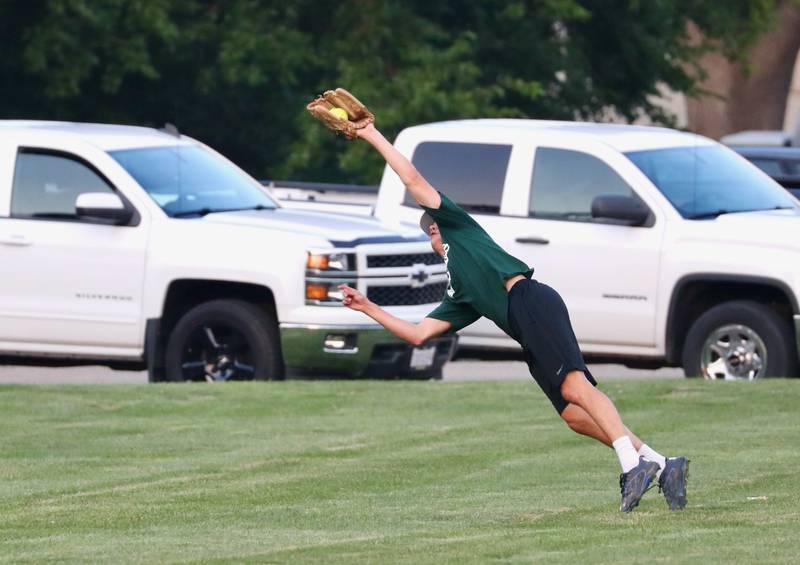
<point x="367" y="351"/>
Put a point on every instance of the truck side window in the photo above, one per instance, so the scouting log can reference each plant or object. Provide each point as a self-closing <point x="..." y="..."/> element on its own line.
<point x="471" y="174"/>
<point x="565" y="182"/>
<point x="46" y="185"/>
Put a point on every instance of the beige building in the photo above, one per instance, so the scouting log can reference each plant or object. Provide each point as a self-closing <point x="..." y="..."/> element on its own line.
<point x="760" y="93"/>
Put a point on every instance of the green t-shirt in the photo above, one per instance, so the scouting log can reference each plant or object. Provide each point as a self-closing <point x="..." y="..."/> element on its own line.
<point x="477" y="269"/>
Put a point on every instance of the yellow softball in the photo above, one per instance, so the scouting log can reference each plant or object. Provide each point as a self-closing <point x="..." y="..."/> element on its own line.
<point x="340" y="113"/>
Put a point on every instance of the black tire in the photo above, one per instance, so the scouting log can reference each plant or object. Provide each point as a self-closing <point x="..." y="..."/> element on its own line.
<point x="246" y="339"/>
<point x="759" y="323"/>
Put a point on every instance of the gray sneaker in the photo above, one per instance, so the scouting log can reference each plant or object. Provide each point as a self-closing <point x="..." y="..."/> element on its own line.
<point x="672" y="482"/>
<point x="635" y="483"/>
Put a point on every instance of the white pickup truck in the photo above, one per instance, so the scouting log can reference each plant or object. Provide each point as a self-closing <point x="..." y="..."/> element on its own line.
<point x="134" y="247"/>
<point x="668" y="248"/>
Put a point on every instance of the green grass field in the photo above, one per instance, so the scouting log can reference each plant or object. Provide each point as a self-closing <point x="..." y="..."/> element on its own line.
<point x="382" y="472"/>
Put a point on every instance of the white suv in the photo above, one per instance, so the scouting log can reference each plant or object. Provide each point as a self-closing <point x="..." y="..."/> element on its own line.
<point x="668" y="248"/>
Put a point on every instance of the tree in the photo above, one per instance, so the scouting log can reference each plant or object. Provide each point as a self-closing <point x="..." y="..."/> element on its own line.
<point x="237" y="73"/>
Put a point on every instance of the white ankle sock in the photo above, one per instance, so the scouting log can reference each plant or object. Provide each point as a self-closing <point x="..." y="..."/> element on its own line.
<point x="628" y="458"/>
<point x="648" y="453"/>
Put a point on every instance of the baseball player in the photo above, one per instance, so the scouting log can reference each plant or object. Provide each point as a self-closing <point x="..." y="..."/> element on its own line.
<point x="484" y="280"/>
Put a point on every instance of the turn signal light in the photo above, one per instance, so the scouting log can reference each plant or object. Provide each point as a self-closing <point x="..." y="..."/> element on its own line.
<point x="316" y="291"/>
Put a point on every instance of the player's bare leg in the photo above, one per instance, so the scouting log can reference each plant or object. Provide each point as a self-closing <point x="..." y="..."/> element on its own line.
<point x="577" y="390"/>
<point x="586" y="402"/>
<point x="638" y="473"/>
<point x="580" y="422"/>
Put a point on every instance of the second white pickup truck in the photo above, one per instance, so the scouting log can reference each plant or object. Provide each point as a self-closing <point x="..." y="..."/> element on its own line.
<point x="668" y="248"/>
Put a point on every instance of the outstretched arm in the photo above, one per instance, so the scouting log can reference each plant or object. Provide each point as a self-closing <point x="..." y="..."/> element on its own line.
<point x="420" y="190"/>
<point x="415" y="334"/>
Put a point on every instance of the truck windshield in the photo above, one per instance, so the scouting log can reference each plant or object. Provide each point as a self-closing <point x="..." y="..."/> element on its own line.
<point x="706" y="181"/>
<point x="187" y="180"/>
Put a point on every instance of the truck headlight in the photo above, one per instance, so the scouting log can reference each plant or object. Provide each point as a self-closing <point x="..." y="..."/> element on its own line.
<point x="325" y="271"/>
<point x="331" y="262"/>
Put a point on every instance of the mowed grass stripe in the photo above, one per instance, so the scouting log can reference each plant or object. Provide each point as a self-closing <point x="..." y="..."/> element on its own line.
<point x="345" y="471"/>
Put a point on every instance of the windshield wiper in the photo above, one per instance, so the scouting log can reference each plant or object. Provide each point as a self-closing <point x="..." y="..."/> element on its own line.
<point x="704" y="215"/>
<point x="721" y="211"/>
<point x="200" y="212"/>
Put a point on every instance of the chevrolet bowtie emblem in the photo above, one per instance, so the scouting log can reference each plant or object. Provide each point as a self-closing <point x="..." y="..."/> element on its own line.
<point x="419" y="276"/>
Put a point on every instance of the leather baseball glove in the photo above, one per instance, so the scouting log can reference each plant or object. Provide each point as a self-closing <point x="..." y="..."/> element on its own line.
<point x="358" y="116"/>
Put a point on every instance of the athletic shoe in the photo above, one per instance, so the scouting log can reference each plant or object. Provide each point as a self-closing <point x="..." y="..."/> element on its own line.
<point x="673" y="482"/>
<point x="635" y="482"/>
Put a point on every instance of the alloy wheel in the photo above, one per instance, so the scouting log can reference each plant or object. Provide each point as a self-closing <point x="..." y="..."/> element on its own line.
<point x="217" y="352"/>
<point x="733" y="352"/>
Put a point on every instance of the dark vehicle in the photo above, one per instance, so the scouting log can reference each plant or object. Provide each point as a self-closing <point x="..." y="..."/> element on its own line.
<point x="781" y="163"/>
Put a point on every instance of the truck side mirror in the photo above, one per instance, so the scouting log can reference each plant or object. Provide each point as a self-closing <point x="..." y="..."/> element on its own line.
<point x="103" y="206"/>
<point x="617" y="207"/>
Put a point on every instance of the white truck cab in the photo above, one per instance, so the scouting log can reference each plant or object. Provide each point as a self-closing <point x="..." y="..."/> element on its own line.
<point x="668" y="248"/>
<point x="135" y="247"/>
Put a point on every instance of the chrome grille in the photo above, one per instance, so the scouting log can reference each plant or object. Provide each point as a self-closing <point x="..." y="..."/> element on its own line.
<point x="403" y="260"/>
<point x="406" y="295"/>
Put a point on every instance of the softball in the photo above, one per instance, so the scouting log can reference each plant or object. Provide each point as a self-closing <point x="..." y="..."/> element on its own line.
<point x="340" y="113"/>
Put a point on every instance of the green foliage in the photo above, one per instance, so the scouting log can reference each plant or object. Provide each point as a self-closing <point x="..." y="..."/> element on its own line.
<point x="237" y="73"/>
<point x="73" y="43"/>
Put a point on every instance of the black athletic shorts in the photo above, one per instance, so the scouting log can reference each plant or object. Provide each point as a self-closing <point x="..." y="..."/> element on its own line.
<point x="540" y="322"/>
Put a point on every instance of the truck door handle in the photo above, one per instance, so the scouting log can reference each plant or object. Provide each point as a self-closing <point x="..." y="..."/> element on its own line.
<point x="15" y="239"/>
<point x="535" y="240"/>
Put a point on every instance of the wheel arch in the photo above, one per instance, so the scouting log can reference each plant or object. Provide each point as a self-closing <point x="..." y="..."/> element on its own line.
<point x="694" y="294"/>
<point x="184" y="294"/>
